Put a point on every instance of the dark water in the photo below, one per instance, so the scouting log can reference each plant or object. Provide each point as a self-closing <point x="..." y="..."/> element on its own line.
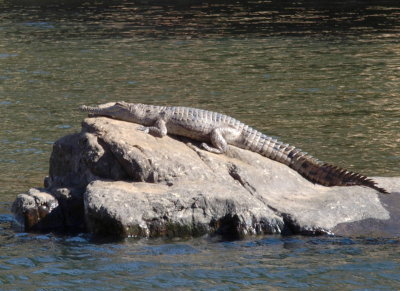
<point x="46" y="262"/>
<point x="321" y="75"/>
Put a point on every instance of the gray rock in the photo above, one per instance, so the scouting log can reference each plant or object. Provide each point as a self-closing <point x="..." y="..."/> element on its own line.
<point x="37" y="210"/>
<point x="193" y="209"/>
<point x="114" y="180"/>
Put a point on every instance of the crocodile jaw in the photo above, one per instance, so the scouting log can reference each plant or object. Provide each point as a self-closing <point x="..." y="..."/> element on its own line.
<point x="111" y="109"/>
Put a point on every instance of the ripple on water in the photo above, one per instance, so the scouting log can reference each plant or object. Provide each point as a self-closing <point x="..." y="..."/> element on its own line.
<point x="29" y="151"/>
<point x="54" y="270"/>
<point x="136" y="267"/>
<point x="170" y="249"/>
<point x="39" y="24"/>
<point x="5" y="55"/>
<point x="40" y="72"/>
<point x="6" y="218"/>
<point x="64" y="126"/>
<point x="22" y="261"/>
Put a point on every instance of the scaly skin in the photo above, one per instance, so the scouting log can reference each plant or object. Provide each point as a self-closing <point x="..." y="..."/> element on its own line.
<point x="220" y="130"/>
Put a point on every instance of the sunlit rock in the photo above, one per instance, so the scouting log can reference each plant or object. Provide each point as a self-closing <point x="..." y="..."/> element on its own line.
<point x="113" y="180"/>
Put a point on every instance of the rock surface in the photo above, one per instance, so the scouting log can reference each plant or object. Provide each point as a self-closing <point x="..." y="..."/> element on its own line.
<point x="111" y="179"/>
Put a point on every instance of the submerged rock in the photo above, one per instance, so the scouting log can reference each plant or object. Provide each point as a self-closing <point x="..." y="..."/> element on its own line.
<point x="114" y="180"/>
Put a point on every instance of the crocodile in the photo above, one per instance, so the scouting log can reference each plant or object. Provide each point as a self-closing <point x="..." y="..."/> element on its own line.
<point x="216" y="131"/>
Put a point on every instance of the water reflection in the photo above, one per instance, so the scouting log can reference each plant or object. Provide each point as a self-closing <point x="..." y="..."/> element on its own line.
<point x="46" y="261"/>
<point x="188" y="19"/>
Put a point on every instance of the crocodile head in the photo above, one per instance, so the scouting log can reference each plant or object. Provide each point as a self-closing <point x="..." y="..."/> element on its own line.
<point x="118" y="110"/>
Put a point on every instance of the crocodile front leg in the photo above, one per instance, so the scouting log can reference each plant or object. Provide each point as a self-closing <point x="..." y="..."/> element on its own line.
<point x="220" y="137"/>
<point x="159" y="128"/>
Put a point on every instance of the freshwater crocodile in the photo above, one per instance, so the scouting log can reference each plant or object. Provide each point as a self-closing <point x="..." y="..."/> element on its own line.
<point x="216" y="131"/>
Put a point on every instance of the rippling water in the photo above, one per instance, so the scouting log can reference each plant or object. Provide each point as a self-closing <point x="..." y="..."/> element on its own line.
<point x="48" y="262"/>
<point x="322" y="76"/>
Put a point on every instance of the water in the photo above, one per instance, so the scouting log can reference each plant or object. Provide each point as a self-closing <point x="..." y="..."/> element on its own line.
<point x="322" y="76"/>
<point x="60" y="263"/>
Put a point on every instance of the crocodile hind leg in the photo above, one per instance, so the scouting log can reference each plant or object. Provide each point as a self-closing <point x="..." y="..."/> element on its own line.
<point x="219" y="138"/>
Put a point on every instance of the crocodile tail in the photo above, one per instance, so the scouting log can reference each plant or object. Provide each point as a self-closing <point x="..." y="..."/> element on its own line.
<point x="309" y="167"/>
<point x="329" y="175"/>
